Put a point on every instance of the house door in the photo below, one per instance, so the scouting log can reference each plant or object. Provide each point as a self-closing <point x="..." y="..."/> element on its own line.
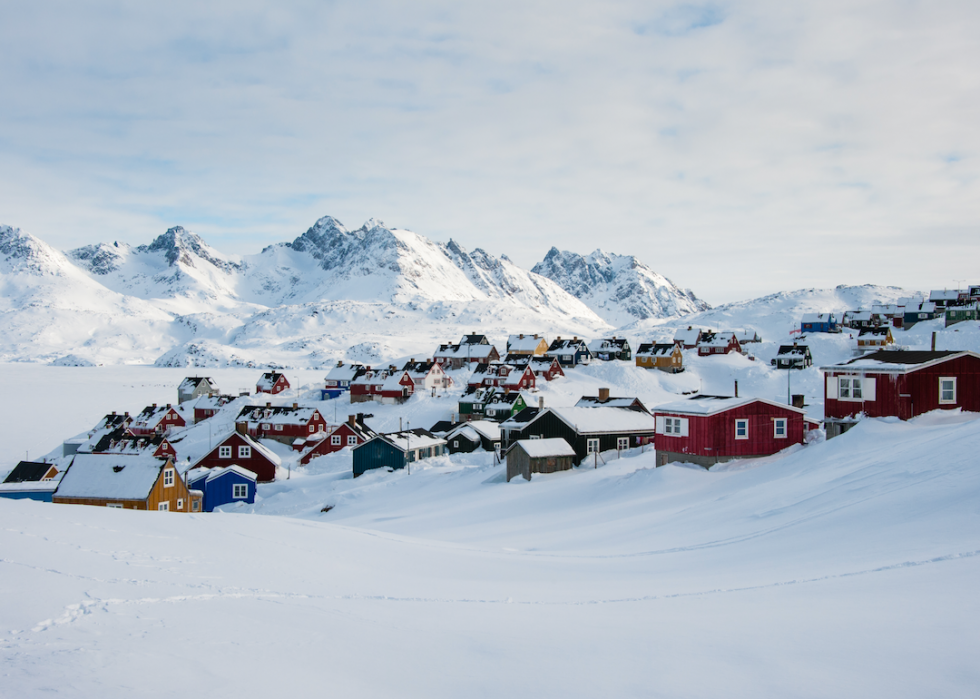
<point x="663" y="459"/>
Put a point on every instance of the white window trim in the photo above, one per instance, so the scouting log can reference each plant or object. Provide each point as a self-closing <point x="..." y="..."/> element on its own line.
<point x="180" y="503"/>
<point x="168" y="478"/>
<point x="941" y="400"/>
<point x="163" y="506"/>
<point x="114" y="505"/>
<point x="224" y="452"/>
<point x="622" y="443"/>
<point x="335" y="440"/>
<point x="244" y="452"/>
<point x="236" y="489"/>
<point x="743" y="420"/>
<point x="775" y="427"/>
<point x="591" y="446"/>
<point x="351" y="440"/>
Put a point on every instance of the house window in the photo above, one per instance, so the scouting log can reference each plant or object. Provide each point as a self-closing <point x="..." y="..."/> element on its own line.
<point x="947" y="389"/>
<point x="279" y="428"/>
<point x="168" y="478"/>
<point x="455" y="443"/>
<point x="224" y="452"/>
<point x="244" y="452"/>
<point x="623" y="443"/>
<point x="114" y="505"/>
<point x="591" y="446"/>
<point x="164" y="507"/>
<point x="850" y="388"/>
<point x="180" y="503"/>
<point x="779" y="428"/>
<point x="266" y="426"/>
<point x="312" y="428"/>
<point x="351" y="440"/>
<point x="741" y="429"/>
<point x="239" y="491"/>
<point x="195" y="505"/>
<point x="335" y="440"/>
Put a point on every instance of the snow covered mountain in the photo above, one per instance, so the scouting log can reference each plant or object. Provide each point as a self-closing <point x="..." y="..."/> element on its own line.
<point x="619" y="288"/>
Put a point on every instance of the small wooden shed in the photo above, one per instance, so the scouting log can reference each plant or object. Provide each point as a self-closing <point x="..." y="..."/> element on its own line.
<point x="527" y="456"/>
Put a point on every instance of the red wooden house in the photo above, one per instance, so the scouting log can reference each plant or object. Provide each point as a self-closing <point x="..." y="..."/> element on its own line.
<point x="349" y="434"/>
<point x="123" y="441"/>
<point x="208" y="406"/>
<point x="272" y="382"/>
<point x="282" y="423"/>
<point x="706" y="430"/>
<point x="154" y="420"/>
<point x="241" y="450"/>
<point x="384" y="386"/>
<point x="508" y="377"/>
<point x="718" y="343"/>
<point x="895" y="383"/>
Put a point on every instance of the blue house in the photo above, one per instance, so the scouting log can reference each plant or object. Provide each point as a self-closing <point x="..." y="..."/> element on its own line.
<point x="819" y="323"/>
<point x="30" y="480"/>
<point x="222" y="485"/>
<point x="337" y="381"/>
<point x="396" y="450"/>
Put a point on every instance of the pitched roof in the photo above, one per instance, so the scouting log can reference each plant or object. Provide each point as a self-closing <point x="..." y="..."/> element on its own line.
<point x="415" y="438"/>
<point x="465" y="351"/>
<point x="543" y="448"/>
<point x="818" y="318"/>
<point x="192" y="382"/>
<point x="602" y="420"/>
<point x="277" y="414"/>
<point x="711" y="405"/>
<point x="28" y="472"/>
<point x="345" y="372"/>
<point x="649" y="349"/>
<point x="122" y="476"/>
<point x="483" y="428"/>
<point x="898" y="361"/>
<point x="269" y="379"/>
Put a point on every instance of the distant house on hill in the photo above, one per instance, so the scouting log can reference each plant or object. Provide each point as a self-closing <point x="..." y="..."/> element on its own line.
<point x="794" y="356"/>
<point x="157" y="419"/>
<point x="718" y="343"/>
<point x="570" y="353"/>
<point x="819" y="323"/>
<point x="874" y="339"/>
<point x="339" y="378"/>
<point x="688" y="338"/>
<point x="223" y="485"/>
<point x="195" y="386"/>
<point x="591" y="430"/>
<point x="470" y="436"/>
<point x="463" y="355"/>
<point x="282" y="423"/>
<point x="608" y="401"/>
<point x="663" y="356"/>
<point x="747" y="336"/>
<point x="610" y="348"/>
<point x="349" y="434"/>
<point x="272" y="382"/>
<point x="428" y="375"/>
<point x="529" y="345"/>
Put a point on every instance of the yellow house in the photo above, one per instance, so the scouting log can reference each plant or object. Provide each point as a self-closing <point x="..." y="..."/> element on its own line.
<point x="533" y="345"/>
<point x="665" y="357"/>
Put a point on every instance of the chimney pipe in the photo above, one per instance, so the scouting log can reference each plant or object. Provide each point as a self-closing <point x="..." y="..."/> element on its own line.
<point x="351" y="420"/>
<point x="295" y="406"/>
<point x="603" y="395"/>
<point x="541" y="402"/>
<point x="933" y="340"/>
<point x="268" y="404"/>
<point x="736" y="389"/>
<point x="241" y="427"/>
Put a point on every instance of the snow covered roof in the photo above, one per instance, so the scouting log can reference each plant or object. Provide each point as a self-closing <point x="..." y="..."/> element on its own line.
<point x="122" y="476"/>
<point x="543" y="448"/>
<point x="883" y="330"/>
<point x="268" y="380"/>
<point x="607" y="344"/>
<point x="523" y="343"/>
<point x="688" y="335"/>
<point x="277" y="414"/>
<point x="897" y="361"/>
<point x="611" y="402"/>
<point x="345" y="372"/>
<point x="818" y="318"/>
<point x="255" y="444"/>
<point x="710" y="405"/>
<point x="485" y="428"/>
<point x="29" y="486"/>
<point x="420" y="370"/>
<point x="947" y="294"/>
<point x="28" y="472"/>
<point x="465" y="351"/>
<point x="393" y="382"/>
<point x="747" y="336"/>
<point x="520" y="419"/>
<point x="719" y="339"/>
<point x="602" y="419"/>
<point x="219" y="471"/>
<point x="567" y="346"/>
<point x="192" y="382"/>
<point x="413" y="439"/>
<point x="656" y="350"/>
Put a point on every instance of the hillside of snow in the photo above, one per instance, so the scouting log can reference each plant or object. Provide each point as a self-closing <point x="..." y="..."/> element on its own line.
<point x="844" y="568"/>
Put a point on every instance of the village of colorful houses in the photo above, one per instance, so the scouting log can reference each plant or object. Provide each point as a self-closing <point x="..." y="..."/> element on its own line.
<point x="136" y="460"/>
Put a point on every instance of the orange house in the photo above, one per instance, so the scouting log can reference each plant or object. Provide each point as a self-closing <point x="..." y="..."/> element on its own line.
<point x="126" y="481"/>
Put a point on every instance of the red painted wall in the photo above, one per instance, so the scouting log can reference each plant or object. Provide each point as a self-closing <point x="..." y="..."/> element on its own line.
<point x="264" y="469"/>
<point x="714" y="435"/>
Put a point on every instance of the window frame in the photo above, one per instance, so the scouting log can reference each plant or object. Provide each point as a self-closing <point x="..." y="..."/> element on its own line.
<point x="237" y="488"/>
<point x="352" y="440"/>
<point x="592" y="445"/>
<point x="163" y="506"/>
<point x="225" y="451"/>
<point x="244" y="451"/>
<point x="622" y="443"/>
<point x="776" y="424"/>
<point x="947" y="401"/>
<point x="335" y="440"/>
<point x="745" y="422"/>
<point x="168" y="478"/>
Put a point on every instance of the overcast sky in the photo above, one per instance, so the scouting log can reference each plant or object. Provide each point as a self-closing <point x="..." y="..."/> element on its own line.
<point x="739" y="148"/>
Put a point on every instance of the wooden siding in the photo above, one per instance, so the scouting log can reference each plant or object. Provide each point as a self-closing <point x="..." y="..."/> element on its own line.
<point x="377" y="453"/>
<point x="713" y="436"/>
<point x="907" y="395"/>
<point x="520" y="464"/>
<point x="549" y="426"/>
<point x="258" y="464"/>
<point x="158" y="494"/>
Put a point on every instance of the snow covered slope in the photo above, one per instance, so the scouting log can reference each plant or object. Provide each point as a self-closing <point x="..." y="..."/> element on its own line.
<point x="847" y="569"/>
<point x="619" y="288"/>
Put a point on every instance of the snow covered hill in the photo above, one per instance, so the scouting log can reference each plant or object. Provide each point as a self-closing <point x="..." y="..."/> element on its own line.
<point x="619" y="288"/>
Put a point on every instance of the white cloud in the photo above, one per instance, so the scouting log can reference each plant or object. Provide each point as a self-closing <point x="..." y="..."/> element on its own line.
<point x="737" y="147"/>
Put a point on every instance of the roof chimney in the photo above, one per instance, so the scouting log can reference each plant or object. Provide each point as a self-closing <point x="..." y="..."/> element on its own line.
<point x="168" y="405"/>
<point x="933" y="340"/>
<point x="540" y="402"/>
<point x="351" y="420"/>
<point x="154" y="405"/>
<point x="603" y="395"/>
<point x="521" y="336"/>
<point x="295" y="406"/>
<point x="736" y="389"/>
<point x="241" y="427"/>
<point x="268" y="404"/>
